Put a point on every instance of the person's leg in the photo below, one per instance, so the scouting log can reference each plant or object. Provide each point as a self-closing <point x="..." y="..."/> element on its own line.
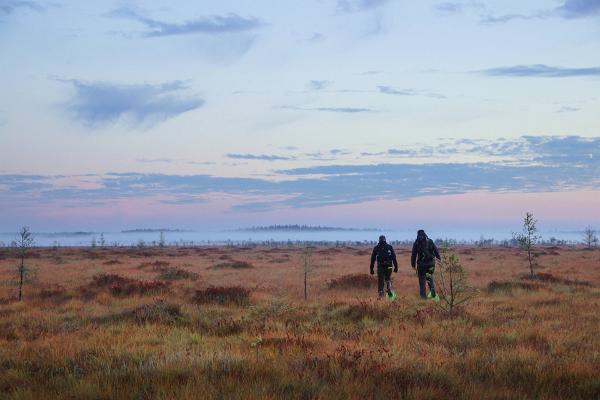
<point x="380" y="282"/>
<point x="421" y="274"/>
<point x="430" y="281"/>
<point x="388" y="282"/>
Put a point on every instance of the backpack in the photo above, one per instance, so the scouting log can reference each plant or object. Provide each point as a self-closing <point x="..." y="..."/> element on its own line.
<point x="384" y="256"/>
<point x="425" y="252"/>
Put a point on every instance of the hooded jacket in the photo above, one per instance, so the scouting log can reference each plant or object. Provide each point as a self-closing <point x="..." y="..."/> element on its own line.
<point x="424" y="251"/>
<point x="383" y="253"/>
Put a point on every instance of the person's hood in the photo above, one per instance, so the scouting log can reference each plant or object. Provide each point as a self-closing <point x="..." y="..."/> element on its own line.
<point x="421" y="235"/>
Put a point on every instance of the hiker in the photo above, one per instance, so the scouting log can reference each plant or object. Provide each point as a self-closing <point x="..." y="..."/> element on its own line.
<point x="386" y="260"/>
<point x="424" y="253"/>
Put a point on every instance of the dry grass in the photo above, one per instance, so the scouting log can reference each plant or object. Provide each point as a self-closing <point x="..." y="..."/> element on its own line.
<point x="233" y="265"/>
<point x="94" y="328"/>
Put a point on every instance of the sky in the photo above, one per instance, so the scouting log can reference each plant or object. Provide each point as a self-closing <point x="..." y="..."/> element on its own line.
<point x="355" y="113"/>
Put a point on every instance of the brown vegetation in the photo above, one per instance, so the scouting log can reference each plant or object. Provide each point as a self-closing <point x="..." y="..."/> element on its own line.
<point x="91" y="329"/>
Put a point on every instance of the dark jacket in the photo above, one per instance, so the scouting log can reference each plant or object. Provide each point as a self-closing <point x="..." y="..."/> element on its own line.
<point x="383" y="252"/>
<point x="424" y="253"/>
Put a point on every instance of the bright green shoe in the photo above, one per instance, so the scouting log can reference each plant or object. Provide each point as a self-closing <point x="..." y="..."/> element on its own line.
<point x="429" y="295"/>
<point x="391" y="295"/>
<point x="436" y="298"/>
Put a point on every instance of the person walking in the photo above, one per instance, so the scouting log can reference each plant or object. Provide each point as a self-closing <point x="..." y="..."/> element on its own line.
<point x="424" y="253"/>
<point x="385" y="256"/>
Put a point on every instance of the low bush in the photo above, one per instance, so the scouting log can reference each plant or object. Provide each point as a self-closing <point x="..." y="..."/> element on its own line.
<point x="162" y="312"/>
<point x="353" y="281"/>
<point x="508" y="286"/>
<point x="233" y="265"/>
<point x="54" y="292"/>
<point x="222" y="295"/>
<point x="156" y="265"/>
<point x="546" y="277"/>
<point x="121" y="286"/>
<point x="174" y="273"/>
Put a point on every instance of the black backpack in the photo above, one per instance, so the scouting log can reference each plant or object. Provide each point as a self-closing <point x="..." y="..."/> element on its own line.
<point x="384" y="255"/>
<point x="425" y="251"/>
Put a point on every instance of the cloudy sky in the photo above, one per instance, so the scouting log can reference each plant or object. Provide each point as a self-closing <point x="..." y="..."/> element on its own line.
<point x="128" y="114"/>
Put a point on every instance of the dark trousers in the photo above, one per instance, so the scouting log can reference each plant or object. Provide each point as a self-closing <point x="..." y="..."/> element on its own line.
<point x="425" y="273"/>
<point x="384" y="280"/>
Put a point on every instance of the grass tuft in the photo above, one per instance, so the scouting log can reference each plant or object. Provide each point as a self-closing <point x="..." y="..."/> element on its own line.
<point x="233" y="265"/>
<point x="222" y="295"/>
<point x="174" y="273"/>
<point x="353" y="281"/>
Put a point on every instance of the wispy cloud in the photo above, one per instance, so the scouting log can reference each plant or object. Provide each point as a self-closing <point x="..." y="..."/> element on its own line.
<point x="570" y="9"/>
<point x="316" y="37"/>
<point x="345" y="110"/>
<point x="533" y="164"/>
<point x="349" y="6"/>
<point x="260" y="157"/>
<point x="408" y="92"/>
<point x="499" y="19"/>
<point x="144" y="105"/>
<point x="371" y="72"/>
<point x="458" y="7"/>
<point x="210" y="25"/>
<point x="567" y="109"/>
<point x="155" y="160"/>
<point x="396" y="92"/>
<point x="318" y="85"/>
<point x="8" y="7"/>
<point x="541" y="70"/>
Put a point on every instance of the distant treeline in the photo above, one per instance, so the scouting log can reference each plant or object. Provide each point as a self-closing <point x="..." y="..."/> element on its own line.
<point x="483" y="243"/>
<point x="296" y="228"/>
<point x="151" y="230"/>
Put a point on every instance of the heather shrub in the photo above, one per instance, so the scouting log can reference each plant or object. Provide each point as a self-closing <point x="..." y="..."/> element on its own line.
<point x="222" y="295"/>
<point x="353" y="281"/>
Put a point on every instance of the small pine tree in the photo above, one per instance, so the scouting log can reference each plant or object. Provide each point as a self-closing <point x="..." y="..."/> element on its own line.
<point x="589" y="237"/>
<point x="102" y="241"/>
<point x="161" y="240"/>
<point x="452" y="283"/>
<point x="527" y="240"/>
<point x="23" y="244"/>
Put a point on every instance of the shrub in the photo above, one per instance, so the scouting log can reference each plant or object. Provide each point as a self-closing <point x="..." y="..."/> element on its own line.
<point x="506" y="286"/>
<point x="222" y="295"/>
<point x="174" y="273"/>
<point x="54" y="292"/>
<point x="161" y="311"/>
<point x="353" y="281"/>
<point x="156" y="265"/>
<point x="139" y="288"/>
<point x="546" y="277"/>
<point x="102" y="280"/>
<point x="233" y="265"/>
<point x="121" y="286"/>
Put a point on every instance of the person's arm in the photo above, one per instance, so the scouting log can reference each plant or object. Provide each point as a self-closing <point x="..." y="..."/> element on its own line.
<point x="413" y="256"/>
<point x="394" y="259"/>
<point x="435" y="251"/>
<point x="373" y="256"/>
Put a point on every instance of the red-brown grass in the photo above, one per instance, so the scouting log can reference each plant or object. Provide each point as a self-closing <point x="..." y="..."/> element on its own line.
<point x="72" y="337"/>
<point x="174" y="273"/>
<point x="233" y="265"/>
<point x="121" y="286"/>
<point x="352" y="281"/>
<point x="222" y="295"/>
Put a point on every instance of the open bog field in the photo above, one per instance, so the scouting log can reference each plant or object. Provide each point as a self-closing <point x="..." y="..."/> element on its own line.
<point x="232" y="323"/>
